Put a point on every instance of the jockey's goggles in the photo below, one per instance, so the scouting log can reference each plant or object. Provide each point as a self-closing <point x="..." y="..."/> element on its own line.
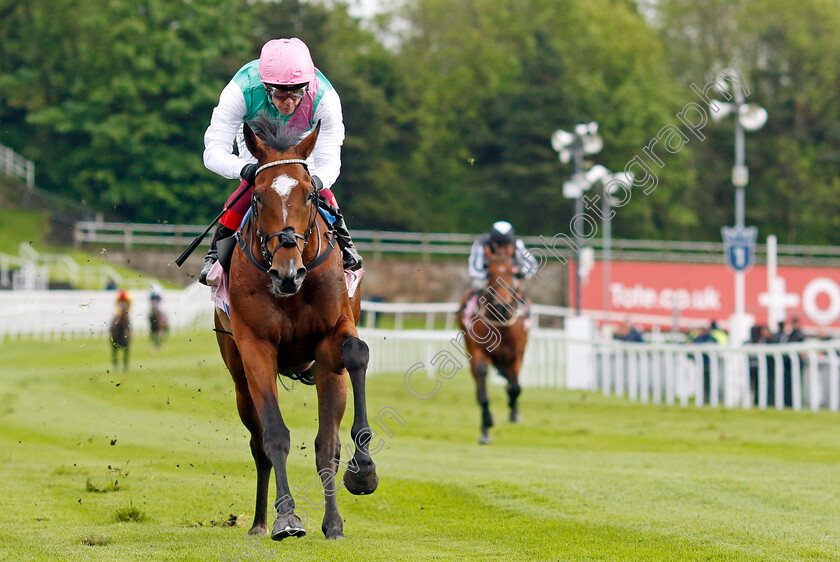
<point x="281" y="94"/>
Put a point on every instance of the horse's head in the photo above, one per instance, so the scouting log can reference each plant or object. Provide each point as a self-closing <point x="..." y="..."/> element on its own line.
<point x="503" y="286"/>
<point x="284" y="203"/>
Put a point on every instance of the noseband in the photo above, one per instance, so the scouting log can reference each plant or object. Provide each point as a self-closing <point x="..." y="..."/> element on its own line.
<point x="287" y="237"/>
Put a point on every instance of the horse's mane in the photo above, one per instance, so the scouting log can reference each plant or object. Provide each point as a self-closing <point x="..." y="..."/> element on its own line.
<point x="273" y="132"/>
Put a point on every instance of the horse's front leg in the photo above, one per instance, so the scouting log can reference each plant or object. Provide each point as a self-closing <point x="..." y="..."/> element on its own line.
<point x="479" y="369"/>
<point x="260" y="360"/>
<point x="360" y="476"/>
<point x="332" y="399"/>
<point x="250" y="418"/>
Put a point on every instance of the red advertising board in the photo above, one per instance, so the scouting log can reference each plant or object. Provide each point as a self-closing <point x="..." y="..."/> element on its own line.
<point x="707" y="291"/>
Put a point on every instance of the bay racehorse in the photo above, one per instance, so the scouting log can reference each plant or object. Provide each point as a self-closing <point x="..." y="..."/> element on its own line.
<point x="120" y="332"/>
<point x="494" y="325"/>
<point x="158" y="325"/>
<point x="290" y="314"/>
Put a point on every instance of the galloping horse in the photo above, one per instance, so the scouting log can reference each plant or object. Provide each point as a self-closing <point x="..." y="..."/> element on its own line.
<point x="290" y="313"/>
<point x="120" y="333"/>
<point x="158" y="325"/>
<point x="495" y="332"/>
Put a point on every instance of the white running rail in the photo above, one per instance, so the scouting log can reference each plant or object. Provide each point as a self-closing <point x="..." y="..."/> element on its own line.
<point x="800" y="376"/>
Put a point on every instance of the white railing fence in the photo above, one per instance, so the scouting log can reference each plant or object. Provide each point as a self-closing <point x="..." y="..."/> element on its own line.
<point x="800" y="376"/>
<point x="51" y="315"/>
<point x="12" y="164"/>
<point x="428" y="244"/>
<point x="33" y="270"/>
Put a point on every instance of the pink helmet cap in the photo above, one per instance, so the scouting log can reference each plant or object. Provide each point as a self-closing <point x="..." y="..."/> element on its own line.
<point x="286" y="62"/>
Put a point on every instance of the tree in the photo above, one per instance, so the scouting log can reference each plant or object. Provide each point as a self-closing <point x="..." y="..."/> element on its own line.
<point x="116" y="96"/>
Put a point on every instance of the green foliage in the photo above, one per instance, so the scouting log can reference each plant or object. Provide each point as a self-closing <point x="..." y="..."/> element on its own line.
<point x="112" y="98"/>
<point x="498" y="80"/>
<point x="790" y="56"/>
<point x="448" y="126"/>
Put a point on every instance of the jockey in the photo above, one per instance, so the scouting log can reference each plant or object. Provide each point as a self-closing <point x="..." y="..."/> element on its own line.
<point x="500" y="235"/>
<point x="285" y="83"/>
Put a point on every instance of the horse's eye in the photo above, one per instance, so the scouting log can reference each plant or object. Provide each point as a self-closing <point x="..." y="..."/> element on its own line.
<point x="257" y="198"/>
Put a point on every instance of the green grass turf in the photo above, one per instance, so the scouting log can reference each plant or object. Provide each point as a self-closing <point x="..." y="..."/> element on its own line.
<point x="85" y="450"/>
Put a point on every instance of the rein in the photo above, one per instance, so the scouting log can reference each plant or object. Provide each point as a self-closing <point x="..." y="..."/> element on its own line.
<point x="287" y="237"/>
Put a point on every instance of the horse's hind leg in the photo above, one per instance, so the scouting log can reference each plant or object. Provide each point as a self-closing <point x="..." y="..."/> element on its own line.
<point x="332" y="399"/>
<point x="479" y="369"/>
<point x="513" y="391"/>
<point x="360" y="476"/>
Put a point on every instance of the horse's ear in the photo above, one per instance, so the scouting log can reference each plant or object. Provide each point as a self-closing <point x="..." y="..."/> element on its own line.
<point x="304" y="149"/>
<point x="253" y="142"/>
<point x="488" y="250"/>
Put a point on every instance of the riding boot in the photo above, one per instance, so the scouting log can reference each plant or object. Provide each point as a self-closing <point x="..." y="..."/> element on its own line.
<point x="352" y="259"/>
<point x="213" y="254"/>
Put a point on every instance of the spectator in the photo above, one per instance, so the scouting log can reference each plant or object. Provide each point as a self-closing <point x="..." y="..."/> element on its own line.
<point x="628" y="332"/>
<point x="795" y="335"/>
<point x="719" y="335"/>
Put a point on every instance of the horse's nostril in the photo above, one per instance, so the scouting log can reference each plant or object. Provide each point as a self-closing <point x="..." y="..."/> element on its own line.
<point x="301" y="273"/>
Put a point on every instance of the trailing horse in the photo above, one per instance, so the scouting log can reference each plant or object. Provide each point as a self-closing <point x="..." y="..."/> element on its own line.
<point x="495" y="326"/>
<point x="158" y="326"/>
<point x="120" y="332"/>
<point x="290" y="314"/>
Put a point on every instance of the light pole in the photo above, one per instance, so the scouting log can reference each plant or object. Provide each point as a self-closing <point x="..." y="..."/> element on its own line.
<point x="606" y="178"/>
<point x="584" y="141"/>
<point x="739" y="241"/>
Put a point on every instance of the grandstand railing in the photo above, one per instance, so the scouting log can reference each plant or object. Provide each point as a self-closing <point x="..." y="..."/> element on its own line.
<point x="800" y="376"/>
<point x="426" y="245"/>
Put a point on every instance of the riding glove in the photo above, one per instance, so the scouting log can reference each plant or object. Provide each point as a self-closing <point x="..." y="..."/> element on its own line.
<point x="249" y="173"/>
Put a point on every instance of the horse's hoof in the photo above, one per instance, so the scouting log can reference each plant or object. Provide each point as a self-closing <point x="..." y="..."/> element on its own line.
<point x="258" y="531"/>
<point x="485" y="440"/>
<point x="360" y="484"/>
<point x="333" y="534"/>
<point x="515" y="417"/>
<point x="287" y="527"/>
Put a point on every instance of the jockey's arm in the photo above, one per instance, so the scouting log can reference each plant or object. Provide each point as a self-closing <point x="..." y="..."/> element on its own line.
<point x="325" y="160"/>
<point x="225" y="128"/>
<point x="525" y="260"/>
<point x="477" y="268"/>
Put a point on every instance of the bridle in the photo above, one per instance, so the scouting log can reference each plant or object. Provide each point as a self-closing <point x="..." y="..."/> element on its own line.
<point x="287" y="237"/>
<point x="489" y="298"/>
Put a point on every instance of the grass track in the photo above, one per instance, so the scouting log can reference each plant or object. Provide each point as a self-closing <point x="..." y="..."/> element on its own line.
<point x="582" y="478"/>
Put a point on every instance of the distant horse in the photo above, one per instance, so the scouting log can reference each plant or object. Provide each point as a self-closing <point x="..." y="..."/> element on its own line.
<point x="290" y="314"/>
<point x="158" y="325"/>
<point x="495" y="332"/>
<point x="120" y="334"/>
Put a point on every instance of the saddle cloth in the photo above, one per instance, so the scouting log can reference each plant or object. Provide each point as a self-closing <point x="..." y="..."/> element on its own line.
<point x="472" y="307"/>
